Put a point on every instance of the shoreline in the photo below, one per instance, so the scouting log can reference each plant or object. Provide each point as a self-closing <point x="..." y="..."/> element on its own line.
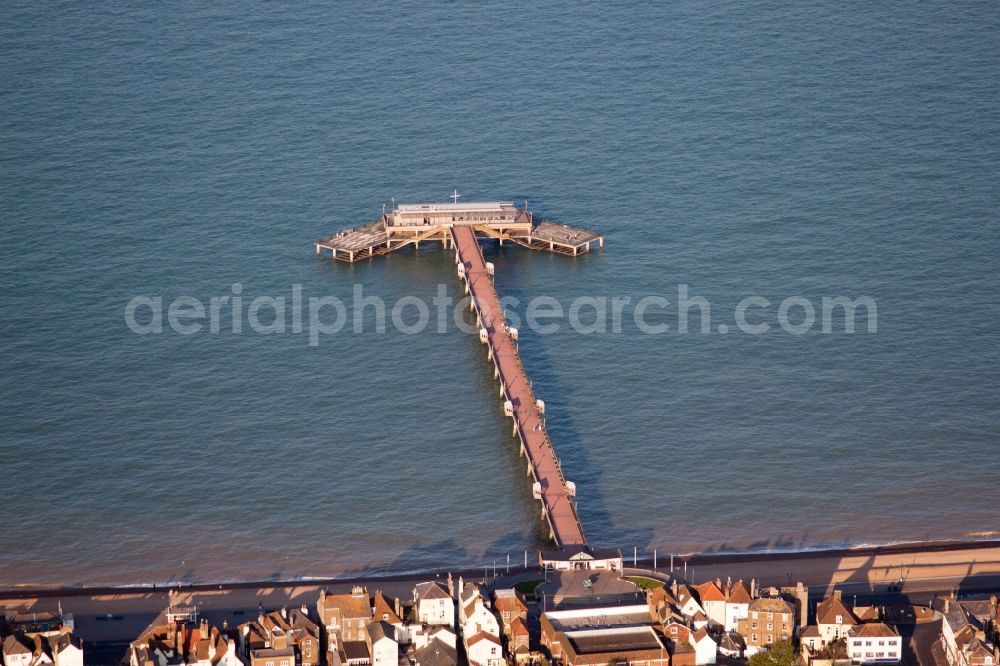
<point x="699" y="559"/>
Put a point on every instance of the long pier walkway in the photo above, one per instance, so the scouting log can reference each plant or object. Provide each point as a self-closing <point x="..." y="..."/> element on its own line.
<point x="556" y="494"/>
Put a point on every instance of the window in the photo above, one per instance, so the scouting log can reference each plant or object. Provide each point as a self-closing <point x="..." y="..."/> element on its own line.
<point x="493" y="651"/>
<point x="753" y="639"/>
<point x="840" y="619"/>
<point x="868" y="642"/>
<point x="770" y="639"/>
<point x="770" y="626"/>
<point x="754" y="625"/>
<point x="770" y="616"/>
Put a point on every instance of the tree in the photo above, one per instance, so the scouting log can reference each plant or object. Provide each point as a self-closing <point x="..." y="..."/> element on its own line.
<point x="779" y="654"/>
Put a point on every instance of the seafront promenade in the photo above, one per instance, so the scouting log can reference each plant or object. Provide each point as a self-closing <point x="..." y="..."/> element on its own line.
<point x="118" y="614"/>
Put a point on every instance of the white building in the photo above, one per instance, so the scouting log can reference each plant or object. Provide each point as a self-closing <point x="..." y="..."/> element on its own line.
<point x="713" y="602"/>
<point x="738" y="598"/>
<point x="382" y="644"/>
<point x="56" y="648"/>
<point x="874" y="643"/>
<point x="687" y="604"/>
<point x="434" y="605"/>
<point x="423" y="635"/>
<point x="474" y="611"/>
<point x="834" y="619"/>
<point x="483" y="649"/>
<point x="581" y="558"/>
<point x="705" y="647"/>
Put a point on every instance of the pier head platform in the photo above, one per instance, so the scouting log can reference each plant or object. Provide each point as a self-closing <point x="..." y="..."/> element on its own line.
<point x="460" y="227"/>
<point x="413" y="224"/>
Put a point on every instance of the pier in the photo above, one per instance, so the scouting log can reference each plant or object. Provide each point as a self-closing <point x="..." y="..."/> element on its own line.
<point x="550" y="486"/>
<point x="460" y="227"/>
<point x="413" y="224"/>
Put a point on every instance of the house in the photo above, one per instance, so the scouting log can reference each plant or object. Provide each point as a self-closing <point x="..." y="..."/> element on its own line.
<point x="833" y="618"/>
<point x="483" y="649"/>
<point x="687" y="603"/>
<point x="41" y="638"/>
<point x="49" y="648"/>
<point x="732" y="644"/>
<point x="272" y="634"/>
<point x="345" y="616"/>
<point x="769" y="620"/>
<point x="436" y="653"/>
<point x="178" y="638"/>
<point x="738" y="598"/>
<point x="705" y="647"/>
<point x="677" y="632"/>
<point x="380" y="639"/>
<point x="874" y="643"/>
<point x="390" y="613"/>
<point x="422" y="635"/>
<point x="509" y="604"/>
<point x="18" y="649"/>
<point x="662" y="605"/>
<point x="474" y="612"/>
<point x="518" y="640"/>
<point x="434" y="606"/>
<point x="976" y="653"/>
<point x="810" y="640"/>
<point x="579" y="558"/>
<point x="956" y="630"/>
<point x="713" y="601"/>
<point x="354" y="653"/>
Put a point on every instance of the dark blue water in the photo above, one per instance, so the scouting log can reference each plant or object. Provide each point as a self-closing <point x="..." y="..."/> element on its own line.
<point x="775" y="149"/>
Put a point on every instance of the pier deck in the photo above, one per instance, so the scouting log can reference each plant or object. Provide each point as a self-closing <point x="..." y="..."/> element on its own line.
<point x="412" y="224"/>
<point x="556" y="495"/>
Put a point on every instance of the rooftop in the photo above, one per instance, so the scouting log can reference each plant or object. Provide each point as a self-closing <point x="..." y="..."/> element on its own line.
<point x="614" y="640"/>
<point x="469" y="206"/>
<point x="594" y="618"/>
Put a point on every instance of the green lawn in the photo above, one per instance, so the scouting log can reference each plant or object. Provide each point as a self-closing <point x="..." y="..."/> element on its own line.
<point x="645" y="583"/>
<point x="527" y="587"/>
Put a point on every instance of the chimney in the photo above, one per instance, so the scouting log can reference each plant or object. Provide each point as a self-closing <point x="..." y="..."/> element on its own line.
<point x="673" y="587"/>
<point x="304" y="610"/>
<point x="284" y="612"/>
<point x="836" y="594"/>
<point x="729" y="585"/>
<point x="461" y="587"/>
<point x="753" y="588"/>
<point x="399" y="607"/>
<point x="947" y="604"/>
<point x="322" y="598"/>
<point x="718" y="583"/>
